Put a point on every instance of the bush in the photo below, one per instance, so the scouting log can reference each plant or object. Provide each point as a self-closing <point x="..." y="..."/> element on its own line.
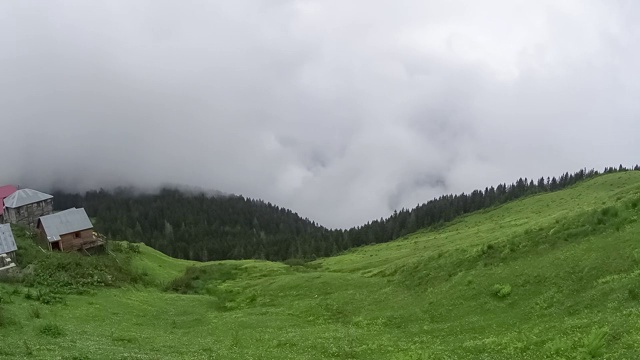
<point x="133" y="248"/>
<point x="117" y="246"/>
<point x="28" y="350"/>
<point x="196" y="279"/>
<point x="43" y="296"/>
<point x="222" y="299"/>
<point x="75" y="273"/>
<point x="595" y="342"/>
<point x="28" y="252"/>
<point x="35" y="312"/>
<point x="124" y="247"/>
<point x="609" y="211"/>
<point x="301" y="263"/>
<point x="501" y="291"/>
<point x="295" y="262"/>
<point x="4" y="319"/>
<point x="51" y="330"/>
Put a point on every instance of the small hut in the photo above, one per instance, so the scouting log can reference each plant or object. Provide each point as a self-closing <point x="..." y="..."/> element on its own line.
<point x="68" y="230"/>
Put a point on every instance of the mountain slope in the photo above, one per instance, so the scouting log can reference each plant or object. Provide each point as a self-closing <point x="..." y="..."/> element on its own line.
<point x="551" y="276"/>
<point x="203" y="226"/>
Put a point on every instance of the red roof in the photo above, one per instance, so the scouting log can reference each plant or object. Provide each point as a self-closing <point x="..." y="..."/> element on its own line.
<point x="4" y="192"/>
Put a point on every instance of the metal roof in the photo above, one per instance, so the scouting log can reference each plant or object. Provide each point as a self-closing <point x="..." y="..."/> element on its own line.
<point x="7" y="190"/>
<point x="65" y="222"/>
<point x="7" y="242"/>
<point x="25" y="196"/>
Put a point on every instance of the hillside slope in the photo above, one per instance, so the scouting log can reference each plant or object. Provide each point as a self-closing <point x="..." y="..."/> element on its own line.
<point x="205" y="227"/>
<point x="552" y="276"/>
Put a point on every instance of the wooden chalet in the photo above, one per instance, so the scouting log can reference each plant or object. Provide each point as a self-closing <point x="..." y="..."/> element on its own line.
<point x="69" y="230"/>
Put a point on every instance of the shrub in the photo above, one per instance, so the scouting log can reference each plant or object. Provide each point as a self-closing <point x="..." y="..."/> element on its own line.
<point x="301" y="263"/>
<point x="51" y="330"/>
<point x="595" y="342"/>
<point x="117" y="246"/>
<point x="4" y="319"/>
<point x="76" y="274"/>
<point x="196" y="279"/>
<point x="133" y="248"/>
<point x="501" y="291"/>
<point x="609" y="211"/>
<point x="124" y="247"/>
<point x="35" y="312"/>
<point x="28" y="252"/>
<point x="27" y="348"/>
<point x="43" y="296"/>
<point x="77" y="357"/>
<point x="295" y="262"/>
<point x="222" y="299"/>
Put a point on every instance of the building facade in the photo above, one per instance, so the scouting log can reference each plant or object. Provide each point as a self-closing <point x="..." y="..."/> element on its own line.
<point x="25" y="206"/>
<point x="8" y="245"/>
<point x="69" y="230"/>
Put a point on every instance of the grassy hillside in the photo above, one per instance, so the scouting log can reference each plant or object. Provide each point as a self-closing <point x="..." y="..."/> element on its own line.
<point x="553" y="276"/>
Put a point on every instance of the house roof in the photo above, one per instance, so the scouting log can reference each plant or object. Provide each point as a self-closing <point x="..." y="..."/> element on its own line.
<point x="7" y="242"/>
<point x="65" y="222"/>
<point x="7" y="190"/>
<point x="25" y="196"/>
<point x="4" y="192"/>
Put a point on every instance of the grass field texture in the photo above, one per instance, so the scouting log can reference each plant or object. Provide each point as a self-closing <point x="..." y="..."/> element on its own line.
<point x="552" y="276"/>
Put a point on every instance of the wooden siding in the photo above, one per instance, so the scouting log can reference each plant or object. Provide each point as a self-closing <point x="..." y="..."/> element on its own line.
<point x="28" y="215"/>
<point x="71" y="242"/>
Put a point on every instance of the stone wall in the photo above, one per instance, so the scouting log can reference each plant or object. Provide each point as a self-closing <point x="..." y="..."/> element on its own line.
<point x="28" y="215"/>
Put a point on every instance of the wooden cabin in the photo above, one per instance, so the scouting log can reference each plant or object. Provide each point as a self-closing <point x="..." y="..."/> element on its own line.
<point x="8" y="247"/>
<point x="25" y="206"/>
<point x="69" y="230"/>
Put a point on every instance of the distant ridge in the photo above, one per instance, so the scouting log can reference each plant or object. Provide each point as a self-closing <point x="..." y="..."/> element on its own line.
<point x="188" y="223"/>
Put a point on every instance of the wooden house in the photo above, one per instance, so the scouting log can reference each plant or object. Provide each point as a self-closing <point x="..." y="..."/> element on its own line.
<point x="4" y="192"/>
<point x="8" y="247"/>
<point x="25" y="206"/>
<point x="69" y="230"/>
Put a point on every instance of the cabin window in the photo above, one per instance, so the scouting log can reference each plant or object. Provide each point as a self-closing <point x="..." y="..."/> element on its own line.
<point x="77" y="234"/>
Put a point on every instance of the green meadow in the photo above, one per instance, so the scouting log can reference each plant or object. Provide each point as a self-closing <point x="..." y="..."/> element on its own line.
<point x="551" y="276"/>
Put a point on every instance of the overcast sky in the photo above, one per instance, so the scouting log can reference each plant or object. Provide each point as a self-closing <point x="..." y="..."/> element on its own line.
<point x="340" y="110"/>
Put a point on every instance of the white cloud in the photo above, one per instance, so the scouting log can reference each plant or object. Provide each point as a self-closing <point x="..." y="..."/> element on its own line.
<point x="339" y="110"/>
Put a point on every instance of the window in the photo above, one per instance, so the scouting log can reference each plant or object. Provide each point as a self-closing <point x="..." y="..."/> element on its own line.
<point x="77" y="235"/>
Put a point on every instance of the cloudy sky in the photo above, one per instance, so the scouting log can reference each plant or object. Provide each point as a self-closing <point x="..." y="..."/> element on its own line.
<point x="340" y="110"/>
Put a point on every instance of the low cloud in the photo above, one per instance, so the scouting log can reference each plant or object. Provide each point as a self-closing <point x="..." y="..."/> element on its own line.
<point x="340" y="111"/>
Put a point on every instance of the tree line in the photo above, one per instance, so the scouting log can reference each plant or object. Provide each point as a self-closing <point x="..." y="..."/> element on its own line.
<point x="198" y="226"/>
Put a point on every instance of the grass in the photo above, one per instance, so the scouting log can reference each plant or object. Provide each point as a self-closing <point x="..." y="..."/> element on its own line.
<point x="553" y="276"/>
